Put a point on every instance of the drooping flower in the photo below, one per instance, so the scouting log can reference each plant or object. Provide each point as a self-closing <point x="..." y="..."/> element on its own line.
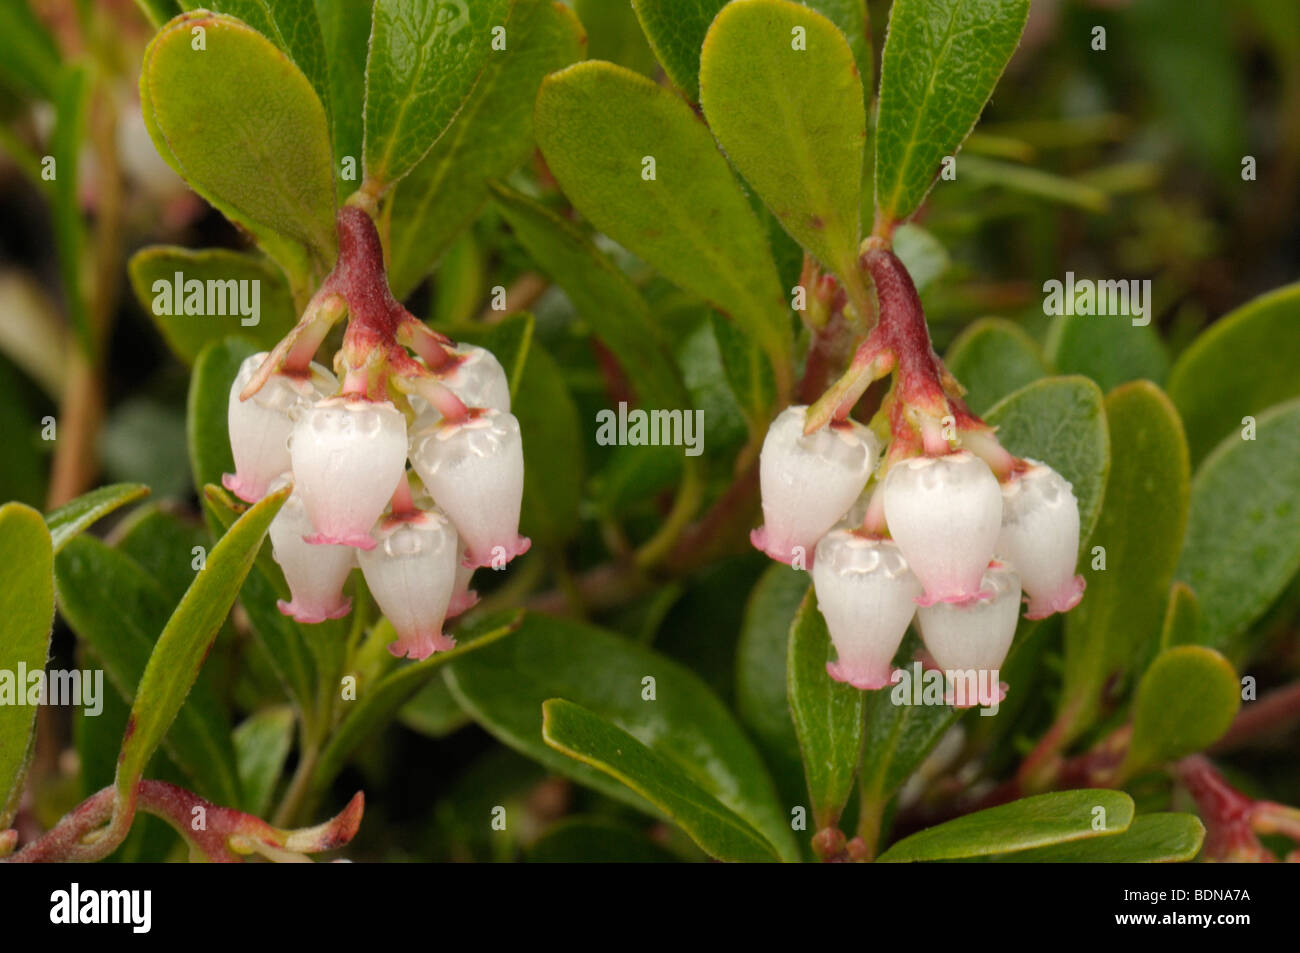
<point x="974" y="637"/>
<point x="944" y="513"/>
<point x="867" y="595"/>
<point x="411" y="574"/>
<point x="463" y="598"/>
<point x="315" y="574"/>
<point x="260" y="426"/>
<point x="474" y="468"/>
<point x="809" y="481"/>
<point x="348" y="456"/>
<point x="477" y="379"/>
<point x="1040" y="538"/>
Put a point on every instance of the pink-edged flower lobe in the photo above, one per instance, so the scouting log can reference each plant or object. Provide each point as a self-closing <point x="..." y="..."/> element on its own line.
<point x="315" y="574"/>
<point x="411" y="573"/>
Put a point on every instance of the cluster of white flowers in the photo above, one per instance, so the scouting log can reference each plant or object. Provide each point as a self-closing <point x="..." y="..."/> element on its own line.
<point x="956" y="552"/>
<point x="352" y="503"/>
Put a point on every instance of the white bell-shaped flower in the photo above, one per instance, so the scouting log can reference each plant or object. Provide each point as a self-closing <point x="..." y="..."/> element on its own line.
<point x="969" y="642"/>
<point x="478" y="380"/>
<point x="260" y="426"/>
<point x="348" y="456"/>
<point x="411" y="574"/>
<point x="1040" y="538"/>
<point x="463" y="598"/>
<point x="945" y="514"/>
<point x="808" y="482"/>
<point x="475" y="470"/>
<point x="315" y="574"/>
<point x="867" y="595"/>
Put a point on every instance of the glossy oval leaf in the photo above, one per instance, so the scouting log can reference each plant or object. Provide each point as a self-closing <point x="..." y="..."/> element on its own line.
<point x="79" y="514"/>
<point x="941" y="60"/>
<point x="26" y="617"/>
<point x="243" y="126"/>
<point x="1240" y="366"/>
<point x="643" y="168"/>
<point x="1161" y="838"/>
<point x="1110" y="350"/>
<point x="1243" y="532"/>
<point x="178" y="655"/>
<point x="1062" y="422"/>
<point x="490" y="136"/>
<point x="503" y="687"/>
<point x="345" y="35"/>
<point x="676" y="31"/>
<point x="828" y="715"/>
<point x="1185" y="701"/>
<point x="117" y="610"/>
<point x="424" y="60"/>
<point x="258" y="306"/>
<point x="583" y="735"/>
<point x="994" y="357"/>
<point x="293" y="26"/>
<point x="1118" y="623"/>
<point x="761" y="695"/>
<point x="262" y="742"/>
<point x="595" y="840"/>
<point x="1056" y="818"/>
<point x="782" y="94"/>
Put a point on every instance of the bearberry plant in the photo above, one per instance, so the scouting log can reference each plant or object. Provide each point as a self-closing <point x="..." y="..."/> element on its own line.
<point x="573" y="461"/>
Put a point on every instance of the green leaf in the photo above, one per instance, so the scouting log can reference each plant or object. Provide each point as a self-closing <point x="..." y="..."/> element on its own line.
<point x="26" y="616"/>
<point x="1061" y="421"/>
<point x="294" y="27"/>
<point x="117" y="609"/>
<point x="187" y="333"/>
<point x="603" y="296"/>
<point x="1112" y="351"/>
<point x="1243" y="364"/>
<point x="424" y="61"/>
<point x="1150" y="839"/>
<point x="1243" y="532"/>
<point x="262" y="743"/>
<point x="1182" y="617"/>
<point x="747" y="374"/>
<point x="1057" y="818"/>
<point x="157" y="12"/>
<point x="432" y="711"/>
<point x="992" y="358"/>
<point x="789" y="113"/>
<point x="345" y="33"/>
<point x="685" y="725"/>
<point x="29" y="57"/>
<point x="73" y="517"/>
<point x="614" y="35"/>
<point x="553" y="450"/>
<point x="1141" y="529"/>
<point x="243" y="126"/>
<point x="178" y="655"/>
<point x="1184" y="703"/>
<point x="377" y="704"/>
<point x="941" y="60"/>
<point x="676" y="30"/>
<point x="595" y="840"/>
<point x="488" y="140"/>
<point x="585" y="736"/>
<point x="206" y="420"/>
<point x="827" y="715"/>
<point x="596" y="123"/>
<point x="761" y="695"/>
<point x="71" y="103"/>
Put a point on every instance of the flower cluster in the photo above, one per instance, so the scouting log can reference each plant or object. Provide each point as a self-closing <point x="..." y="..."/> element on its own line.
<point x="948" y="531"/>
<point x="404" y="394"/>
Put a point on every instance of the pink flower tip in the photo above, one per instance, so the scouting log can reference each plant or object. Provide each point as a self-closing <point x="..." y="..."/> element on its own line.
<point x="984" y="698"/>
<point x="462" y="602"/>
<point x="421" y="645"/>
<point x="782" y="554"/>
<point x="865" y="677"/>
<point x="496" y="556"/>
<point x="359" y="540"/>
<point x="300" y="613"/>
<point x="1065" y="599"/>
<point x="242" y="487"/>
